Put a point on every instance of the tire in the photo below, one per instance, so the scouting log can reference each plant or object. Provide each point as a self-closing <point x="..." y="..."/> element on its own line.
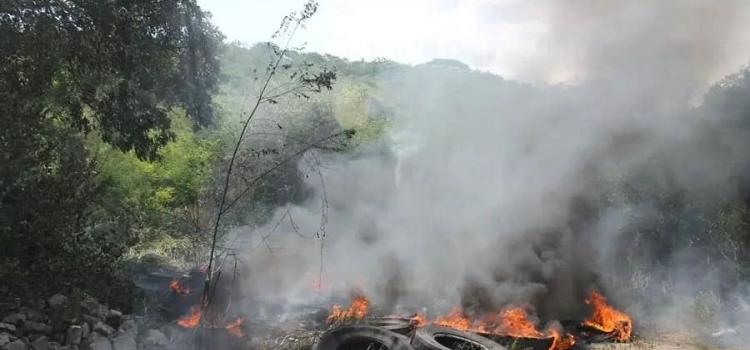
<point x="522" y="343"/>
<point x="442" y="338"/>
<point x="361" y="337"/>
<point x="396" y="325"/>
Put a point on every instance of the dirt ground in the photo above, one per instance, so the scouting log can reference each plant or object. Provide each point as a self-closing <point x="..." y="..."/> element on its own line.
<point x="664" y="341"/>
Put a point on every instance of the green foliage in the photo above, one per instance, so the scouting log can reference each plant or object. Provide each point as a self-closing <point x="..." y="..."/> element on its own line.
<point x="114" y="69"/>
<point x="165" y="196"/>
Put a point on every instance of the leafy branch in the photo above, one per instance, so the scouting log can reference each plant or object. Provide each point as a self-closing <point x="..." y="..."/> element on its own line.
<point x="305" y="83"/>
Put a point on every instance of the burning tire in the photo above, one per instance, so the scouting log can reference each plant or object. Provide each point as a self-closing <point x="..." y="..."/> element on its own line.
<point x="362" y="337"/>
<point x="442" y="338"/>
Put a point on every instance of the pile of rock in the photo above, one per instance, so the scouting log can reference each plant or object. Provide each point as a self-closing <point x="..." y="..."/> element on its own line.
<point x="84" y="325"/>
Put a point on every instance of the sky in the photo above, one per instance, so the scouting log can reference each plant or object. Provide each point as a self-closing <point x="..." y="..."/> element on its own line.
<point x="487" y="35"/>
<point x="546" y="42"/>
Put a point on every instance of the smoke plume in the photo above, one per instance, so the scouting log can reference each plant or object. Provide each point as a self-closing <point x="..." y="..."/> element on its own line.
<point x="491" y="192"/>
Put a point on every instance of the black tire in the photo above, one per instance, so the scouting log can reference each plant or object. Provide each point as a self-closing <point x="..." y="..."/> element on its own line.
<point x="362" y="337"/>
<point x="522" y="343"/>
<point x="396" y="325"/>
<point x="442" y="338"/>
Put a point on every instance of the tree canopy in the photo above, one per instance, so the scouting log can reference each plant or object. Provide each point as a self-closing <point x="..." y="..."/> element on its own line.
<point x="112" y="70"/>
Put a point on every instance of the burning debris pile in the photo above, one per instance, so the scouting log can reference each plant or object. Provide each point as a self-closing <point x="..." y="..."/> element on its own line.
<point x="360" y="324"/>
<point x="510" y="326"/>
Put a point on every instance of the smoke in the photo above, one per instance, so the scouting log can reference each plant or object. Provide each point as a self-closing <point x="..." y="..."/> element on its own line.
<point x="493" y="192"/>
<point x="670" y="47"/>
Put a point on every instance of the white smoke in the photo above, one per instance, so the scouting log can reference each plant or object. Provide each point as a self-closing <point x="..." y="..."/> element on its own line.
<point x="475" y="202"/>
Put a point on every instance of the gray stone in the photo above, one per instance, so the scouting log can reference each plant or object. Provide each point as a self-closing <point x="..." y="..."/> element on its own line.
<point x="114" y="318"/>
<point x="103" y="329"/>
<point x="37" y="327"/>
<point x="16" y="319"/>
<point x="57" y="301"/>
<point x="40" y="343"/>
<point x="91" y="320"/>
<point x="16" y="345"/>
<point x="155" y="338"/>
<point x="126" y="326"/>
<point x="85" y="330"/>
<point x="125" y="341"/>
<point x="53" y="345"/>
<point x="7" y="327"/>
<point x="4" y="338"/>
<point x="35" y="316"/>
<point x="93" y="307"/>
<point x="73" y="335"/>
<point x="99" y="342"/>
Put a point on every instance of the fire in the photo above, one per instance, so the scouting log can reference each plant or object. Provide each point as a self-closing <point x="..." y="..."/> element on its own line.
<point x="561" y="342"/>
<point x="357" y="310"/>
<point x="455" y="319"/>
<point x="510" y="322"/>
<point x="235" y="328"/>
<point x="178" y="288"/>
<point x="192" y="320"/>
<point x="419" y="319"/>
<point x="608" y="319"/>
<point x="515" y="322"/>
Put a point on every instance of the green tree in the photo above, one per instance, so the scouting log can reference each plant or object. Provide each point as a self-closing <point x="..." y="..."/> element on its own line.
<point x="67" y="68"/>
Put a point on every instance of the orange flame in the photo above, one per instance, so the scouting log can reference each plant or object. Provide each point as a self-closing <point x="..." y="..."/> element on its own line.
<point x="455" y="319"/>
<point x="357" y="310"/>
<point x="235" y="328"/>
<point x="511" y="322"/>
<point x="515" y="322"/>
<point x="608" y="319"/>
<point x="419" y="319"/>
<point x="178" y="288"/>
<point x="561" y="342"/>
<point x="192" y="320"/>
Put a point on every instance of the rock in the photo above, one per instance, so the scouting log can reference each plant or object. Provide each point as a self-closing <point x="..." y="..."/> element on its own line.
<point x="103" y="329"/>
<point x="126" y="326"/>
<point x="125" y="341"/>
<point x="91" y="320"/>
<point x="155" y="338"/>
<point x="85" y="330"/>
<point x="7" y="327"/>
<point x="57" y="300"/>
<point x="37" y="327"/>
<point x="93" y="307"/>
<point x="4" y="339"/>
<point x="99" y="342"/>
<point x="114" y="318"/>
<point x="53" y="345"/>
<point x="16" y="345"/>
<point x="74" y="335"/>
<point x="17" y="319"/>
<point x="40" y="343"/>
<point x="35" y="316"/>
